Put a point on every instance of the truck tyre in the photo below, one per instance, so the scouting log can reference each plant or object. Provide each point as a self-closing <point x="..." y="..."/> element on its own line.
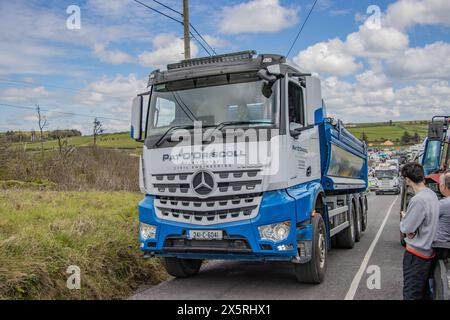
<point x="364" y="209"/>
<point x="346" y="238"/>
<point x="182" y="268"/>
<point x="441" y="281"/>
<point x="358" y="222"/>
<point x="314" y="270"/>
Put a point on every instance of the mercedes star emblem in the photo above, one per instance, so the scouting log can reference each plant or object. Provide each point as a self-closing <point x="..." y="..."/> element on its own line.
<point x="203" y="183"/>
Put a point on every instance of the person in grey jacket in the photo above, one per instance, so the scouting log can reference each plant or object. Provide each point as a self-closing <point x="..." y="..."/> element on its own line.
<point x="420" y="224"/>
<point x="443" y="232"/>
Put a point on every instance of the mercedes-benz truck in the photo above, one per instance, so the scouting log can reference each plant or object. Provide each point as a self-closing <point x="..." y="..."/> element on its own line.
<point x="240" y="161"/>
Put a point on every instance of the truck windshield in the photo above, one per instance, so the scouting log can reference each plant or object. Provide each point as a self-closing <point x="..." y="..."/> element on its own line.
<point x="211" y="100"/>
<point x="432" y="154"/>
<point x="386" y="174"/>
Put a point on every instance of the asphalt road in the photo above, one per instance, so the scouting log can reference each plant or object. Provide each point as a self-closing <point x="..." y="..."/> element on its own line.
<point x="346" y="278"/>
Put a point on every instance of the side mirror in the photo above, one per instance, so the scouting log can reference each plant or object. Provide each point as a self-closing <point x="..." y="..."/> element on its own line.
<point x="268" y="82"/>
<point x="295" y="129"/>
<point x="435" y="131"/>
<point x="267" y="89"/>
<point x="136" y="118"/>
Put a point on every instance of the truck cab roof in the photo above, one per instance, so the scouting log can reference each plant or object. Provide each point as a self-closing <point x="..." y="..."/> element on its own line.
<point x="237" y="62"/>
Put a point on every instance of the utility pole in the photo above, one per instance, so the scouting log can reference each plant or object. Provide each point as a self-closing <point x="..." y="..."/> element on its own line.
<point x="187" y="39"/>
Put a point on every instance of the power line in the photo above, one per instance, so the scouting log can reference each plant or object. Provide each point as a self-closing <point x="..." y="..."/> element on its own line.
<point x="180" y="22"/>
<point x="157" y="11"/>
<point x="301" y="29"/>
<point x="195" y="30"/>
<point x="167" y="7"/>
<point x="59" y="112"/>
<point x="53" y="86"/>
<point x="190" y="24"/>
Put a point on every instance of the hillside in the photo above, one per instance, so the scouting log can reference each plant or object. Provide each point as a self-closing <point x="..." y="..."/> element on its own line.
<point x="382" y="131"/>
<point x="376" y="132"/>
<point x="113" y="140"/>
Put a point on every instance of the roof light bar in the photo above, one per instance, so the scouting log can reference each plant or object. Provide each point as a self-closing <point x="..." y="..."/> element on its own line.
<point x="224" y="58"/>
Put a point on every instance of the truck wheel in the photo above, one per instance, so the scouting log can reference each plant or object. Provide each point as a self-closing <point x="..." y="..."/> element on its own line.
<point x="441" y="281"/>
<point x="358" y="223"/>
<point x="364" y="210"/>
<point x="346" y="238"/>
<point x="314" y="270"/>
<point x="182" y="268"/>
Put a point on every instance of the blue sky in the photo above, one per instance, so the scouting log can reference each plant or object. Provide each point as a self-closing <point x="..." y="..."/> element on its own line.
<point x="399" y="70"/>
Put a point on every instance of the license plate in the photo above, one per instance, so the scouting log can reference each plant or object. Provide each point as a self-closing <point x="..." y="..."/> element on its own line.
<point x="205" y="234"/>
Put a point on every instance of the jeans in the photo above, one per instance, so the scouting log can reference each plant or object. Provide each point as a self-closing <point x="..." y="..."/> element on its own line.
<point x="416" y="275"/>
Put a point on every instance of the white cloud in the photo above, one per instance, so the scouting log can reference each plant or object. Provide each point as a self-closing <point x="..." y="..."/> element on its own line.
<point x="113" y="56"/>
<point x="257" y="16"/>
<point x="29" y="95"/>
<point x="357" y="102"/>
<point x="120" y="89"/>
<point x="328" y="57"/>
<point x="407" y="13"/>
<point x="429" y="62"/>
<point x="168" y="48"/>
<point x="378" y="43"/>
<point x="216" y="42"/>
<point x="373" y="79"/>
<point x="337" y="57"/>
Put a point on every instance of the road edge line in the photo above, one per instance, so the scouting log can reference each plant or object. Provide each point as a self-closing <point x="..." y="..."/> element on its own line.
<point x="358" y="276"/>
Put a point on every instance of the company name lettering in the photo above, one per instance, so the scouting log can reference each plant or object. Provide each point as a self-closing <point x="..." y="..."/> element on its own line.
<point x="203" y="155"/>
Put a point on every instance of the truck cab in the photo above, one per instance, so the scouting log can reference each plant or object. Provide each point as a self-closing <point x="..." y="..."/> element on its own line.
<point x="387" y="179"/>
<point x="240" y="162"/>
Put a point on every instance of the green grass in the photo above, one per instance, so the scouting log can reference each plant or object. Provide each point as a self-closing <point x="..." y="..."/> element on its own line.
<point x="377" y="132"/>
<point x="374" y="131"/>
<point x="42" y="233"/>
<point x="115" y="140"/>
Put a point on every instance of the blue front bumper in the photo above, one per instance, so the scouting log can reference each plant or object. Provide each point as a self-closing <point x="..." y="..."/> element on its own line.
<point x="276" y="206"/>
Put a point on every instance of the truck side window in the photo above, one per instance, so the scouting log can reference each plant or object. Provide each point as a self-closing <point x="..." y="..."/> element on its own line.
<point x="296" y="107"/>
<point x="164" y="113"/>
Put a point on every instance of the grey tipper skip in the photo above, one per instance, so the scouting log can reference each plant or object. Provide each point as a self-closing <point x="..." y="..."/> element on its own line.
<point x="422" y="219"/>
<point x="443" y="232"/>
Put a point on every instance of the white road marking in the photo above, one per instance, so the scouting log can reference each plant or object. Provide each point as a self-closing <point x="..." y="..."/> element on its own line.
<point x="357" y="279"/>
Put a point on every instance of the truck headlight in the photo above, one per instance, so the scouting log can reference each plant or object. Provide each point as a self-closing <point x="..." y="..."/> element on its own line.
<point x="275" y="232"/>
<point x="147" y="231"/>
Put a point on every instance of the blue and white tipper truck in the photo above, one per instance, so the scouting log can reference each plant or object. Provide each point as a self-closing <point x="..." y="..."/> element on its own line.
<point x="240" y="161"/>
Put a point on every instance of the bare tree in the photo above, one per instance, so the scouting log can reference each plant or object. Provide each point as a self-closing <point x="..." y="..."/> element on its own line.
<point x="98" y="129"/>
<point x="63" y="144"/>
<point x="42" y="122"/>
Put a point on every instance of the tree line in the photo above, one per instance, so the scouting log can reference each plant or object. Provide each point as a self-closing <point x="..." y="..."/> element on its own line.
<point x="405" y="139"/>
<point x="34" y="136"/>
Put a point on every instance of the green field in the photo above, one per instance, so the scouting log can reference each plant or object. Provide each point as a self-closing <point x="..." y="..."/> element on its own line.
<point x="382" y="131"/>
<point x="376" y="132"/>
<point x="42" y="233"/>
<point x="115" y="140"/>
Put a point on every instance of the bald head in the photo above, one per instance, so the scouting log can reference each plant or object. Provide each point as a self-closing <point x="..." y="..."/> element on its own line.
<point x="444" y="183"/>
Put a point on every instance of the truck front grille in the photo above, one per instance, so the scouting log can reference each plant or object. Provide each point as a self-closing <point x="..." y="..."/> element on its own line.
<point x="236" y="196"/>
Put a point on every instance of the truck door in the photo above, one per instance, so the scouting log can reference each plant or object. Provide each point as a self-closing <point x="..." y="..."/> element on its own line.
<point x="304" y="154"/>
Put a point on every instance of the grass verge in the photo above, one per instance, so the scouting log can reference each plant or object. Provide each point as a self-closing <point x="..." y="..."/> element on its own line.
<point x="42" y="233"/>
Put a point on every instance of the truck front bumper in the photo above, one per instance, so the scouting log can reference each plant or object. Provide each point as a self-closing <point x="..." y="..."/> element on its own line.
<point x="391" y="190"/>
<point x="241" y="240"/>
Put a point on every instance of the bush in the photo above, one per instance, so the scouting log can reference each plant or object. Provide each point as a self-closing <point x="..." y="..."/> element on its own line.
<point x="89" y="168"/>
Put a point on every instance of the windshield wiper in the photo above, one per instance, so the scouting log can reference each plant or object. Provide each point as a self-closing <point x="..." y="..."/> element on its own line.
<point x="221" y="125"/>
<point x="163" y="137"/>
